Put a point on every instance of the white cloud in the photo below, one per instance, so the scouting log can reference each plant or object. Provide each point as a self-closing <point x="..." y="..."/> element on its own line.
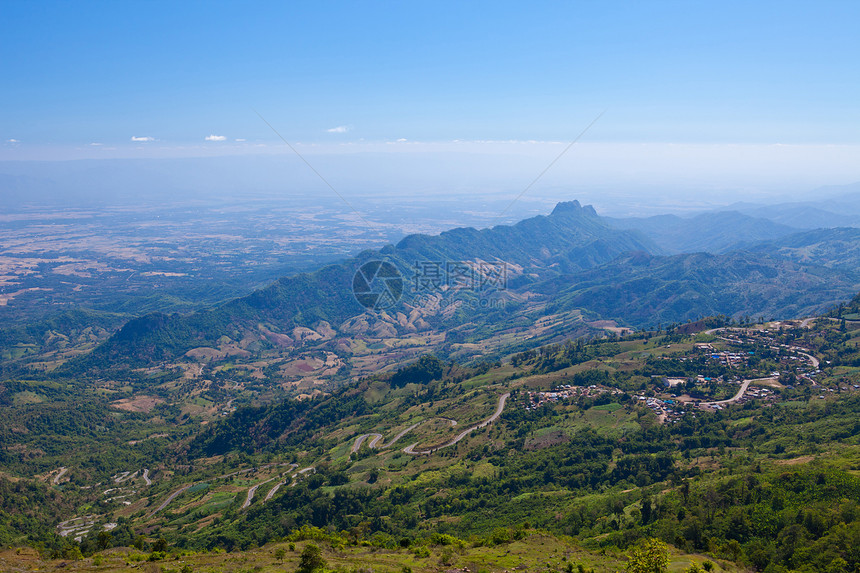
<point x="402" y="140"/>
<point x="142" y="139"/>
<point x="216" y="138"/>
<point x="339" y="129"/>
<point x="12" y="141"/>
<point x="96" y="144"/>
<point x="240" y="139"/>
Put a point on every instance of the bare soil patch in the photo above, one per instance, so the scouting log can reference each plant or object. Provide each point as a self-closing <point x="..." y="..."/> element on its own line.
<point x="137" y="404"/>
<point x="796" y="461"/>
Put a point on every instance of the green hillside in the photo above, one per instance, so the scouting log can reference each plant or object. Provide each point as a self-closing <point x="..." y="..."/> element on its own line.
<point x="835" y="248"/>
<point x="643" y="290"/>
<point x="583" y="447"/>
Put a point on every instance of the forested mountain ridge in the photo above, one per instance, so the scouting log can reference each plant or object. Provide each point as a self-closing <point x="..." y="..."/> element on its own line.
<point x="570" y="261"/>
<point x="644" y="290"/>
<point x="837" y="248"/>
<point x="833" y="206"/>
<point x="571" y="238"/>
<point x="572" y="235"/>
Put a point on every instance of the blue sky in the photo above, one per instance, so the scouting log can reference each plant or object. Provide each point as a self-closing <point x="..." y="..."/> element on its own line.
<point x="81" y="79"/>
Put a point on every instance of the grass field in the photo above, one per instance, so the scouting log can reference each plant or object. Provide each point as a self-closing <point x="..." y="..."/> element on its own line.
<point x="536" y="551"/>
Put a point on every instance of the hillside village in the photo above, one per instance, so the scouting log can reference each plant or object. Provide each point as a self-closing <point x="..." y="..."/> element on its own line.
<point x="754" y="364"/>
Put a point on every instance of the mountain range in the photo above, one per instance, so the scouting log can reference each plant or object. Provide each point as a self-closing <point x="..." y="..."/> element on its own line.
<point x="572" y="264"/>
<point x="715" y="232"/>
<point x="833" y="206"/>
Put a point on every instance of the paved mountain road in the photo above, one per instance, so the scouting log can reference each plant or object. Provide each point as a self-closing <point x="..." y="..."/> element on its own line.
<point x="499" y="409"/>
<point x="57" y="477"/>
<point x="250" y="497"/>
<point x="274" y="490"/>
<point x="734" y="398"/>
<point x="170" y="498"/>
<point x="740" y="393"/>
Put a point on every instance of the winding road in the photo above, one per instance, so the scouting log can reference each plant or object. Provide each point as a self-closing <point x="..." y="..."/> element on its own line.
<point x="815" y="362"/>
<point x="252" y="491"/>
<point x="301" y="472"/>
<point x="377" y="438"/>
<point x="502" y="399"/>
<point x="360" y="440"/>
<point x="734" y="398"/>
<point x="170" y="498"/>
<point x="374" y="443"/>
<point x="274" y="490"/>
<point x="802" y="351"/>
<point x="805" y="352"/>
<point x="78" y="526"/>
<point x="57" y="477"/>
<point x="123" y="476"/>
<point x="740" y="393"/>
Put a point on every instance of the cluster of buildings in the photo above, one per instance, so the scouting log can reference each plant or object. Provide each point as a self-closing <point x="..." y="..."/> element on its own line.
<point x="669" y="408"/>
<point x="724" y="357"/>
<point x="756" y="392"/>
<point x="666" y="410"/>
<point x="566" y="392"/>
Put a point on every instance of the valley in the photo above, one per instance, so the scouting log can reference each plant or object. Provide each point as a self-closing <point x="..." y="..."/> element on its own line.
<point x="572" y="393"/>
<point x="429" y="287"/>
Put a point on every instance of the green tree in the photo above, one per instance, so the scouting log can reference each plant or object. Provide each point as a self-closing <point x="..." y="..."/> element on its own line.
<point x="160" y="545"/>
<point x="311" y="559"/>
<point x="103" y="540"/>
<point x="649" y="556"/>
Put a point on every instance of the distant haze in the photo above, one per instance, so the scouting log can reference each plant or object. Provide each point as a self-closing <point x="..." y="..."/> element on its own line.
<point x="618" y="179"/>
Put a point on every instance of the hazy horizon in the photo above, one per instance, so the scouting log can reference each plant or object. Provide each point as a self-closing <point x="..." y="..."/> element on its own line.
<point x="617" y="180"/>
